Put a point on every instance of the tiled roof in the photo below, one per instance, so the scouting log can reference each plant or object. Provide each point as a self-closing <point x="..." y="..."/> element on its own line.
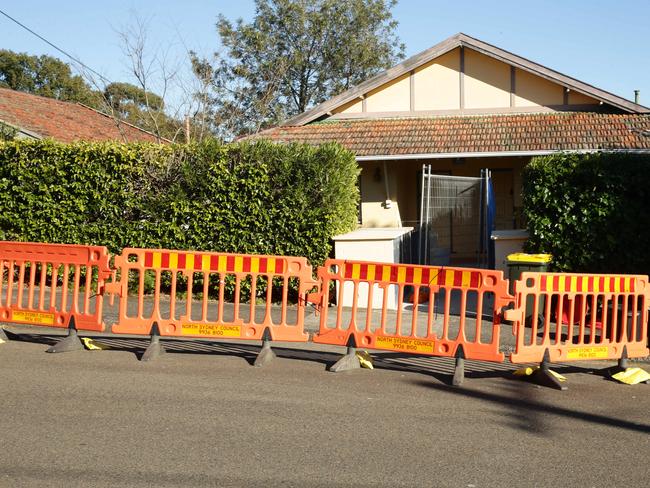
<point x="64" y="121"/>
<point x="556" y="131"/>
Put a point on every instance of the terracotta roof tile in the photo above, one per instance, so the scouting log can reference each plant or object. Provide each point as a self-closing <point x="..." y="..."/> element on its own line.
<point x="64" y="121"/>
<point x="484" y="133"/>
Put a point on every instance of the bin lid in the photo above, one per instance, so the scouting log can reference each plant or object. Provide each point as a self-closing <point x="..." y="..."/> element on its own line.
<point x="522" y="257"/>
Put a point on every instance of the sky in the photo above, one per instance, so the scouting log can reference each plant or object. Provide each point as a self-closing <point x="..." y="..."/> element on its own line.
<point x="604" y="43"/>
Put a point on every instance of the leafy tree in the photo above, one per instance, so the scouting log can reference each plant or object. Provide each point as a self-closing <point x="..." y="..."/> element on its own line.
<point x="293" y="55"/>
<point x="46" y="76"/>
<point x="141" y="108"/>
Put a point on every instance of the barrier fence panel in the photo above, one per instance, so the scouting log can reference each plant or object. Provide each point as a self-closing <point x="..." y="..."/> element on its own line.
<point x="45" y="284"/>
<point x="211" y="295"/>
<point x="579" y="316"/>
<point x="437" y="309"/>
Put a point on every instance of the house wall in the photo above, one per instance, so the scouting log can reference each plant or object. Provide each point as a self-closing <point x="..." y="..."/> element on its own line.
<point x="354" y="107"/>
<point x="437" y="84"/>
<point x="464" y="80"/>
<point x="374" y="211"/>
<point x="391" y="97"/>
<point x="486" y="81"/>
<point x="533" y="91"/>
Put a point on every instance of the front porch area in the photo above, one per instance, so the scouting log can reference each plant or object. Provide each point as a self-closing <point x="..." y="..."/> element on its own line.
<point x="391" y="197"/>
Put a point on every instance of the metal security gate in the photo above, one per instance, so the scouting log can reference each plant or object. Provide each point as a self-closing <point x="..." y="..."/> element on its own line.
<point x="456" y="219"/>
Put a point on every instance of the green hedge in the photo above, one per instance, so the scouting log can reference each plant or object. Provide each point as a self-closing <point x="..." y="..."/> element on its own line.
<point x="590" y="211"/>
<point x="257" y="197"/>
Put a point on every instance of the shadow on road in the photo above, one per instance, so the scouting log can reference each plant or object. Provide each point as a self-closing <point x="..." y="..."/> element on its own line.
<point x="524" y="407"/>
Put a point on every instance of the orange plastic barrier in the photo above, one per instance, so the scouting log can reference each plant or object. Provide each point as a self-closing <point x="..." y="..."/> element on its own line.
<point x="45" y="284"/>
<point x="455" y="299"/>
<point x="579" y="316"/>
<point x="184" y="311"/>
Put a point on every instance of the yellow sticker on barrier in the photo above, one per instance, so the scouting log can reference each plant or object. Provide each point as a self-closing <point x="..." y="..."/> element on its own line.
<point x="211" y="330"/>
<point x="587" y="353"/>
<point x="38" y="318"/>
<point x="404" y="344"/>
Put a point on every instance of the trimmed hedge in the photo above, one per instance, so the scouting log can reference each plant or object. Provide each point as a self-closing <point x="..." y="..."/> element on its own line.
<point x="248" y="198"/>
<point x="589" y="211"/>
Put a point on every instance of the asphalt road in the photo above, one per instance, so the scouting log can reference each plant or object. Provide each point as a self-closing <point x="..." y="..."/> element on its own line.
<point x="203" y="416"/>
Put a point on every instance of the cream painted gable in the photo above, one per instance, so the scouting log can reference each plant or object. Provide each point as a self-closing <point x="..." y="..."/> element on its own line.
<point x="464" y="75"/>
<point x="464" y="80"/>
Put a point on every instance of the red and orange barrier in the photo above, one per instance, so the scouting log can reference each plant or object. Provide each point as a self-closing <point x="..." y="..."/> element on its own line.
<point x="374" y="285"/>
<point x="46" y="284"/>
<point x="191" y="313"/>
<point x="579" y="316"/>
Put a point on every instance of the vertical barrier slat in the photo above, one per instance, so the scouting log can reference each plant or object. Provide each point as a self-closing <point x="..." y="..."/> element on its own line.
<point x="285" y="301"/>
<point x="559" y="318"/>
<point x="253" y="295"/>
<point x="155" y="313"/>
<point x="32" y="284"/>
<point x="237" y="297"/>
<point x="431" y="313"/>
<point x="53" y="285"/>
<point x="172" y="297"/>
<point x="400" y="303"/>
<point x="204" y="302"/>
<point x="624" y="319"/>
<point x="445" y="324"/>
<point x="547" y="318"/>
<point x="64" y="287"/>
<point x="414" y="316"/>
<point x="463" y="313"/>
<point x="77" y="284"/>
<point x="479" y="317"/>
<point x="383" y="310"/>
<point x="89" y="284"/>
<point x="369" y="308"/>
<point x="10" y="285"/>
<point x="352" y="325"/>
<point x="21" y="282"/>
<point x="188" y="300"/>
<point x="41" y="291"/>
<point x="583" y="319"/>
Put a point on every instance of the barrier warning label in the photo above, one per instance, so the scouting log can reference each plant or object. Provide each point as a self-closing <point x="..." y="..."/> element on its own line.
<point x="211" y="330"/>
<point x="404" y="344"/>
<point x="587" y="353"/>
<point x="38" y="318"/>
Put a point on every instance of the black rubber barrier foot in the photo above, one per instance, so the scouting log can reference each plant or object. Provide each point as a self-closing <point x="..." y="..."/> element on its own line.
<point x="266" y="355"/>
<point x="459" y="371"/>
<point x="71" y="342"/>
<point x="3" y="336"/>
<point x="622" y="364"/>
<point x="155" y="348"/>
<point x="545" y="377"/>
<point x="348" y="362"/>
